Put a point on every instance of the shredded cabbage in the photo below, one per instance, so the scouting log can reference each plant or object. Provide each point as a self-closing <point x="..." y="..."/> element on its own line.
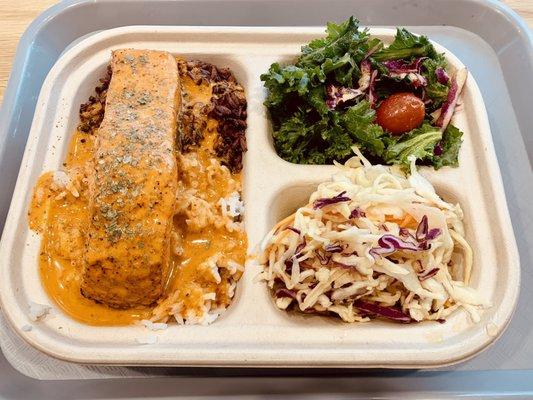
<point x="372" y="242"/>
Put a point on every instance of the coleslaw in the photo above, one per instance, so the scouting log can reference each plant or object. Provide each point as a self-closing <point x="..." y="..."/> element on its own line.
<point x="372" y="242"/>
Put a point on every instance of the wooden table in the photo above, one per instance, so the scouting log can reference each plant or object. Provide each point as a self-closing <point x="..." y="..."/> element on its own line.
<point x="15" y="16"/>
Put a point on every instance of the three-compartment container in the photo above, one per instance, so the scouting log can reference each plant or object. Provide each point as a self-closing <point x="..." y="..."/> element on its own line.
<point x="253" y="332"/>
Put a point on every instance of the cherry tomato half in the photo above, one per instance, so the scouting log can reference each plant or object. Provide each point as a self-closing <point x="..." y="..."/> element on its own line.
<point x="400" y="113"/>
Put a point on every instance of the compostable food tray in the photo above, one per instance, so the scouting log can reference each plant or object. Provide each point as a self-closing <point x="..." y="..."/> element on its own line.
<point x="491" y="39"/>
<point x="253" y="332"/>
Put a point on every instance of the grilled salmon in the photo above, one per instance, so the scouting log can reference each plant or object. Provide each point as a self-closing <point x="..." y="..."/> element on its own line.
<point x="132" y="192"/>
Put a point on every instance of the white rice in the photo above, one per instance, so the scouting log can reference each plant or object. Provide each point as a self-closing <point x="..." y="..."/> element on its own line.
<point x="154" y="326"/>
<point x="232" y="206"/>
<point x="61" y="179"/>
<point x="210" y="296"/>
<point x="202" y="302"/>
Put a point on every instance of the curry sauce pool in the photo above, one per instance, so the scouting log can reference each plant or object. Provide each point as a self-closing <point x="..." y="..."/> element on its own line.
<point x="207" y="244"/>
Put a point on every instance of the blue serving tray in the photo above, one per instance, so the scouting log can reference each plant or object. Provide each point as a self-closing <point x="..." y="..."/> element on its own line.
<point x="487" y="36"/>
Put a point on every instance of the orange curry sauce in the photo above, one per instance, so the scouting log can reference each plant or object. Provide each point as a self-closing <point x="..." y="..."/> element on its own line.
<point x="61" y="219"/>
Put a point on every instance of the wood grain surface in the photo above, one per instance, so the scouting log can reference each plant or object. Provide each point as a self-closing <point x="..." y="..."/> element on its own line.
<point x="15" y="16"/>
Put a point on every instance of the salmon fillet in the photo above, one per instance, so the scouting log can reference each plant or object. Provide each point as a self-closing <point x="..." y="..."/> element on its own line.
<point x="132" y="193"/>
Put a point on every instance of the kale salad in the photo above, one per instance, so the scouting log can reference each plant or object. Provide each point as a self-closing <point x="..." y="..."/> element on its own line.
<point x="349" y="88"/>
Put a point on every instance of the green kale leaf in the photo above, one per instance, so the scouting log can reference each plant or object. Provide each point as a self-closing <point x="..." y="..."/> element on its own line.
<point x="420" y="143"/>
<point x="436" y="91"/>
<point x="282" y="81"/>
<point x="292" y="139"/>
<point x="358" y="121"/>
<point x="337" y="43"/>
<point x="450" y="145"/>
<point x="406" y="46"/>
